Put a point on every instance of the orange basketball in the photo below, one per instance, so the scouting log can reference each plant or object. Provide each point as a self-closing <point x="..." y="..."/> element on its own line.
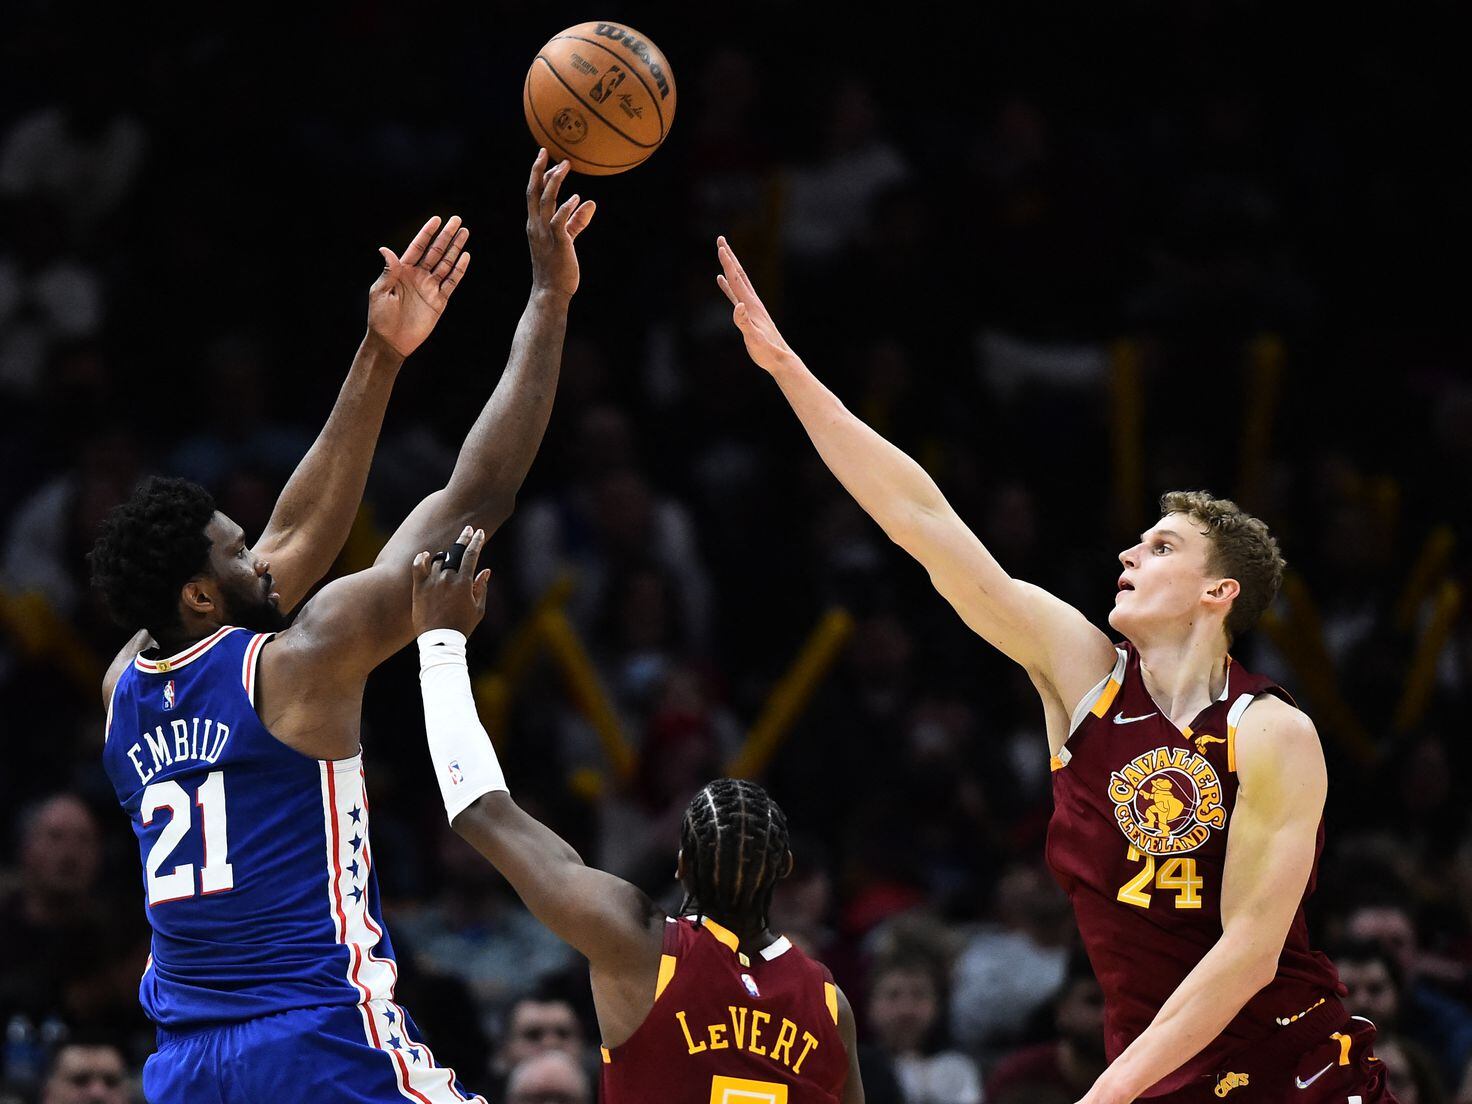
<point x="600" y="95"/>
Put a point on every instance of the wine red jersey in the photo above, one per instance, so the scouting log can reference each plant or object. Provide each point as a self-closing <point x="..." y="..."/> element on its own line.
<point x="731" y="1028"/>
<point x="1138" y="839"/>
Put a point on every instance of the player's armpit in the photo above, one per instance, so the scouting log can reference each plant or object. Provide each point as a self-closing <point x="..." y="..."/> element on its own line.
<point x="609" y="921"/>
<point x="1274" y="828"/>
<point x="853" y="1088"/>
<point x="349" y="627"/>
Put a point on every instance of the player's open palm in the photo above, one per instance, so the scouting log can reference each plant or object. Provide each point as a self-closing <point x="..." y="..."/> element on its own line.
<point x="447" y="598"/>
<point x="409" y="296"/>
<point x="551" y="229"/>
<point x="764" y="342"/>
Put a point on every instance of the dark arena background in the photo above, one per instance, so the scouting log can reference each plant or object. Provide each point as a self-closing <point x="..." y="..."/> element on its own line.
<point x="1069" y="257"/>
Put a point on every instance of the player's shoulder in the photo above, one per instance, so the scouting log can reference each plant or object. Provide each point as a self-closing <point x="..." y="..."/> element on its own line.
<point x="130" y="651"/>
<point x="1275" y="734"/>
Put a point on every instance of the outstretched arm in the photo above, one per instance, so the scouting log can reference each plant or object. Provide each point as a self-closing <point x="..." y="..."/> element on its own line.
<point x="357" y="622"/>
<point x="316" y="508"/>
<point x="1270" y="851"/>
<point x="1047" y="636"/>
<point x="615" y="926"/>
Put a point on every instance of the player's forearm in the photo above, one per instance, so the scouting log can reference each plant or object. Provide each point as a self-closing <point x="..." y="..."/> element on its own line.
<point x="891" y="487"/>
<point x="316" y="509"/>
<point x="521" y="847"/>
<point x="1205" y="1002"/>
<point x="499" y="449"/>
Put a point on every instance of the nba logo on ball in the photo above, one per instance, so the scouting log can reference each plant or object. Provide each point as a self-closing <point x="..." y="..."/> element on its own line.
<point x="169" y="694"/>
<point x="750" y="983"/>
<point x="456" y="775"/>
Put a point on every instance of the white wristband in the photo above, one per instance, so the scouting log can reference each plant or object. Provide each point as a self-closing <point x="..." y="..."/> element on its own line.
<point x="465" y="763"/>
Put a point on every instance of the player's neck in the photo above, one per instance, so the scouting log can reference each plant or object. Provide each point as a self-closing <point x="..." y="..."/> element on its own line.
<point x="1186" y="673"/>
<point x="173" y="642"/>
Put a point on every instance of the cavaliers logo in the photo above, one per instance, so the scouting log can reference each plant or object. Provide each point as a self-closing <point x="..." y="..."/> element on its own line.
<point x="1167" y="801"/>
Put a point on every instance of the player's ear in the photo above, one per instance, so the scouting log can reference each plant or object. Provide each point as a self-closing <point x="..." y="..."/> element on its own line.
<point x="680" y="865"/>
<point x="787" y="870"/>
<point x="197" y="597"/>
<point x="1223" y="590"/>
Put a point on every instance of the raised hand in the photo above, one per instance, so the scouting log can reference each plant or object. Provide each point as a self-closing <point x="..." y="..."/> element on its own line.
<point x="409" y="296"/>
<point x="764" y="342"/>
<point x="551" y="230"/>
<point x="445" y="598"/>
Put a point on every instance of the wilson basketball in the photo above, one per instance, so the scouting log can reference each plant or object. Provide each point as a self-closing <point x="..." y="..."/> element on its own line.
<point x="600" y="95"/>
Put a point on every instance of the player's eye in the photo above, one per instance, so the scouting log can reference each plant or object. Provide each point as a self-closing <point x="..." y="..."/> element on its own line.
<point x="1162" y="547"/>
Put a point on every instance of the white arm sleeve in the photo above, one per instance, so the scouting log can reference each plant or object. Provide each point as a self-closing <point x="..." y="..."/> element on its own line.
<point x="465" y="763"/>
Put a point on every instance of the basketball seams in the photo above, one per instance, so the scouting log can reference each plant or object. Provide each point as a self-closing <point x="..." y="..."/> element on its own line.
<point x="651" y="146"/>
<point x="552" y="138"/>
<point x="653" y="92"/>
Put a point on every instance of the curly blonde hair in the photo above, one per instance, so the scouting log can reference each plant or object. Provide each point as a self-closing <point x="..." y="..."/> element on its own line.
<point x="1241" y="549"/>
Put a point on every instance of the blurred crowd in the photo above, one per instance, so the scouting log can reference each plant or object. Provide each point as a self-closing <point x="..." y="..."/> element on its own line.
<point x="1066" y="270"/>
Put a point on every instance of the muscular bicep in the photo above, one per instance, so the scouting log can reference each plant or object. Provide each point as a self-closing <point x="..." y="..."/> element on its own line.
<point x="609" y="921"/>
<point x="1024" y="622"/>
<point x="1275" y="825"/>
<point x="354" y="623"/>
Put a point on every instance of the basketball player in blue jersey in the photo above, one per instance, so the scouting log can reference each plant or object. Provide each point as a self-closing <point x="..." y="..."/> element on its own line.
<point x="232" y="741"/>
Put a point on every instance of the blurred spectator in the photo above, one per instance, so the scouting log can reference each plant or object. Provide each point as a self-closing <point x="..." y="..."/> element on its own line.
<point x="551" y="1077"/>
<point x="84" y="1072"/>
<point x="66" y="951"/>
<point x="478" y="931"/>
<point x="828" y="202"/>
<point x="1015" y="965"/>
<point x="535" y="1025"/>
<point x="1067" y="1065"/>
<point x="1425" y="1011"/>
<point x="906" y="1000"/>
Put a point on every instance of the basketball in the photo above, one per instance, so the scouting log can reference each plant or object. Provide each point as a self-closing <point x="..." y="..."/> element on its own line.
<point x="600" y="95"/>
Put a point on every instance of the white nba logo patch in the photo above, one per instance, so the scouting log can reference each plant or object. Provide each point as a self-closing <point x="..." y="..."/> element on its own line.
<point x="750" y="983"/>
<point x="456" y="775"/>
<point x="169" y="694"/>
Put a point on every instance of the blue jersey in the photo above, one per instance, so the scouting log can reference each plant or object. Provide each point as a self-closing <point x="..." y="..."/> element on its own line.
<point x="257" y="872"/>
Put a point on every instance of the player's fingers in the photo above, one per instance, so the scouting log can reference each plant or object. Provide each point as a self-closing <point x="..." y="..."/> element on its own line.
<point x="390" y="273"/>
<point x="421" y="567"/>
<point x="725" y="285"/>
<point x="551" y="185"/>
<point x="563" y="213"/>
<point x="450" y="282"/>
<point x="480" y="588"/>
<point x="734" y="268"/>
<point x="580" y="219"/>
<point x="534" y="185"/>
<point x="452" y="254"/>
<point x="421" y="240"/>
<point x="441" y="243"/>
<point x="741" y="316"/>
<point x="472" y="553"/>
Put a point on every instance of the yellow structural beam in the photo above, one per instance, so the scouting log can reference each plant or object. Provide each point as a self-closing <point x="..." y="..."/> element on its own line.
<point x="792" y="693"/>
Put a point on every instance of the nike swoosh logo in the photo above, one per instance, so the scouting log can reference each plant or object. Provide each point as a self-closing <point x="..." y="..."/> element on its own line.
<point x="1302" y="1084"/>
<point x="1120" y="718"/>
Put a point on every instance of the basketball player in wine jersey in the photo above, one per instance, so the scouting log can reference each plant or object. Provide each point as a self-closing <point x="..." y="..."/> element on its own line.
<point x="709" y="1007"/>
<point x="232" y="741"/>
<point x="1188" y="792"/>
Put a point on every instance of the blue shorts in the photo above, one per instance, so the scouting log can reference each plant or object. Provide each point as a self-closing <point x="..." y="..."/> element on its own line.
<point x="356" y="1054"/>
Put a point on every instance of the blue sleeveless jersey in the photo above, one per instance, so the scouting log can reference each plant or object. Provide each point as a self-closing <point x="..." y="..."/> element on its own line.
<point x="257" y="873"/>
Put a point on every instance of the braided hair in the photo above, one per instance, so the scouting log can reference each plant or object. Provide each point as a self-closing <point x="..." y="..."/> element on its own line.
<point x="734" y="838"/>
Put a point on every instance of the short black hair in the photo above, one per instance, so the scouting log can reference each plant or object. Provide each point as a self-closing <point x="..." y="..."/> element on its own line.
<point x="734" y="837"/>
<point x="1365" y="951"/>
<point x="148" y="548"/>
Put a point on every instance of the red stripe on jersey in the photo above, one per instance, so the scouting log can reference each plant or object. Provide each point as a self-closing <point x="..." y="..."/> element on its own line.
<point x="342" y="918"/>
